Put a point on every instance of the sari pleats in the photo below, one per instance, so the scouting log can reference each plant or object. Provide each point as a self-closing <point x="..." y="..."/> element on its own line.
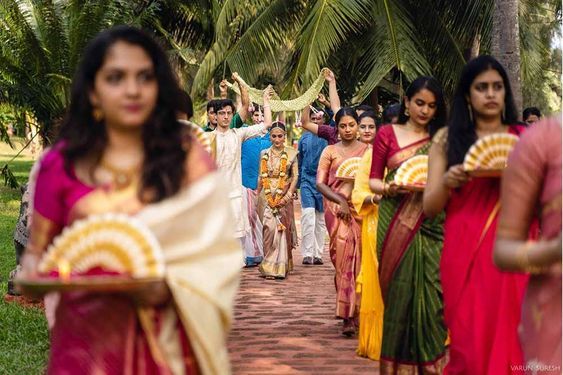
<point x="277" y="243"/>
<point x="482" y="303"/>
<point x="367" y="283"/>
<point x="345" y="255"/>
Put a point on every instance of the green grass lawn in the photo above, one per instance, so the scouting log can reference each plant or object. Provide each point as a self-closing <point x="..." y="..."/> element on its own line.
<point x="24" y="341"/>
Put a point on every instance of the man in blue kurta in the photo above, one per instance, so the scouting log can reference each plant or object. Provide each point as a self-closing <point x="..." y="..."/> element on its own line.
<point x="313" y="228"/>
<point x="250" y="162"/>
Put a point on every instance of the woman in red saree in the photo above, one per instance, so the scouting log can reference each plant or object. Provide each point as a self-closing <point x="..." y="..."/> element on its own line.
<point x="121" y="150"/>
<point x="408" y="243"/>
<point x="481" y="304"/>
<point x="342" y="221"/>
<point x="531" y="188"/>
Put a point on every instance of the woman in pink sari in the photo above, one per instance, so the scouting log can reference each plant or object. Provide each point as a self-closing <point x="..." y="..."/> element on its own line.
<point x="342" y="221"/>
<point x="121" y="150"/>
<point x="531" y="188"/>
<point x="481" y="304"/>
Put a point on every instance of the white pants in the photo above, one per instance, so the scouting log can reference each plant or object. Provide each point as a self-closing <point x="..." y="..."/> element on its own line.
<point x="313" y="231"/>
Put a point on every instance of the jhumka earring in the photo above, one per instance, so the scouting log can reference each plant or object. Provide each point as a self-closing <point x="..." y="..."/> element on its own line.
<point x="470" y="110"/>
<point x="97" y="114"/>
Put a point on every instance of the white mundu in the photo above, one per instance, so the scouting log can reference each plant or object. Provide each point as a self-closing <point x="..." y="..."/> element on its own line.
<point x="313" y="231"/>
<point x="228" y="158"/>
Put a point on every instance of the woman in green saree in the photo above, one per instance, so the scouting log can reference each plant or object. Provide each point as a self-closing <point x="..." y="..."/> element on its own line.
<point x="408" y="244"/>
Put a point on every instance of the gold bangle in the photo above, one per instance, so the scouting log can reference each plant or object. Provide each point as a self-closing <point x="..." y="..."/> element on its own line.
<point x="371" y="200"/>
<point x="523" y="259"/>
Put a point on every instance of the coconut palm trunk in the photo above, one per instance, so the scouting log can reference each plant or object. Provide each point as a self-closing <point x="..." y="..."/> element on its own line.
<point x="506" y="43"/>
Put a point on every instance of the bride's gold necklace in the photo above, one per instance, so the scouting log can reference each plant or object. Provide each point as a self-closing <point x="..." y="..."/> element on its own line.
<point x="122" y="178"/>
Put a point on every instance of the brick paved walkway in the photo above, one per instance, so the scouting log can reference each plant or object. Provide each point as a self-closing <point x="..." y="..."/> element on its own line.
<point x="288" y="327"/>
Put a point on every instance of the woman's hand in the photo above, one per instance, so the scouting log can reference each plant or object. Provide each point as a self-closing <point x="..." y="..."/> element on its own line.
<point x="322" y="99"/>
<point x="284" y="201"/>
<point x="29" y="263"/>
<point x="329" y="75"/>
<point x="153" y="295"/>
<point x="267" y="94"/>
<point x="393" y="189"/>
<point x="455" y="177"/>
<point x="344" y="211"/>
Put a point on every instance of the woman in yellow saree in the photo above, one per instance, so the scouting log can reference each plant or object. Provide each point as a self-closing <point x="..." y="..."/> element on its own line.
<point x="367" y="284"/>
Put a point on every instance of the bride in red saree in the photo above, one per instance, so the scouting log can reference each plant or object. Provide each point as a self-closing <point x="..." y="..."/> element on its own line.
<point x="481" y="303"/>
<point x="121" y="150"/>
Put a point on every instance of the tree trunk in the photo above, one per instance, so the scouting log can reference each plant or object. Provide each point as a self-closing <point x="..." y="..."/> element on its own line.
<point x="473" y="51"/>
<point x="374" y="99"/>
<point x="506" y="44"/>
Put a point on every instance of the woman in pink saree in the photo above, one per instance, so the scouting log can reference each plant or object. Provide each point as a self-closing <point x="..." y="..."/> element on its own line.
<point x="342" y="221"/>
<point x="121" y="150"/>
<point x="531" y="189"/>
<point x="481" y="304"/>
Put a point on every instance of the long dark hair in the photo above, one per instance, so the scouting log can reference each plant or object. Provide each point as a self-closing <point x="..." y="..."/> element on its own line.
<point x="164" y="145"/>
<point x="461" y="129"/>
<point x="432" y="85"/>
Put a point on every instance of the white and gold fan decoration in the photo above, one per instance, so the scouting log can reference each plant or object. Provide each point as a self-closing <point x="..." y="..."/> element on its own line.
<point x="489" y="155"/>
<point x="347" y="170"/>
<point x="413" y="172"/>
<point x="114" y="242"/>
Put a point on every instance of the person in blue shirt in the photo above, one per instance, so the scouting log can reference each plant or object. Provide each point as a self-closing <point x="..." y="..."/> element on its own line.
<point x="250" y="165"/>
<point x="313" y="228"/>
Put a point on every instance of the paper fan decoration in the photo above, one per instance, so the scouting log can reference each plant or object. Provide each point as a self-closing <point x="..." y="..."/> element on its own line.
<point x="490" y="152"/>
<point x="347" y="170"/>
<point x="114" y="242"/>
<point x="414" y="171"/>
<point x="199" y="134"/>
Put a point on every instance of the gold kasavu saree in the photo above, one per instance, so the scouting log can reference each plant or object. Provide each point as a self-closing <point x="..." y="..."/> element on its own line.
<point x="196" y="232"/>
<point x="367" y="282"/>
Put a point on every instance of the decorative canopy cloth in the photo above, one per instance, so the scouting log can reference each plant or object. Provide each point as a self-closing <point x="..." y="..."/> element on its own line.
<point x="278" y="105"/>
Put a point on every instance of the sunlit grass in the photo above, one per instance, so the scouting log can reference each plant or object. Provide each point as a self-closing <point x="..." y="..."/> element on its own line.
<point x="24" y="341"/>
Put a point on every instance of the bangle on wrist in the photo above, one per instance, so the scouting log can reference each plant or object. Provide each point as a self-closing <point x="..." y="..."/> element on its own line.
<point x="371" y="200"/>
<point x="523" y="259"/>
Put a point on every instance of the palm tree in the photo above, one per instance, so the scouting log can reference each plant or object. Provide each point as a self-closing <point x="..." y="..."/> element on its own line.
<point x="506" y="43"/>
<point x="364" y="42"/>
<point x="41" y="43"/>
<point x="364" y="39"/>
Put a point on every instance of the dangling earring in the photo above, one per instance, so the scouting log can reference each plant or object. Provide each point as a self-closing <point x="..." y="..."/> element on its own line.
<point x="407" y="112"/>
<point x="97" y="114"/>
<point x="503" y="119"/>
<point x="470" y="110"/>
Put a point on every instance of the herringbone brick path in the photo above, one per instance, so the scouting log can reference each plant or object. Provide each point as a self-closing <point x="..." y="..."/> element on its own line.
<point x="288" y="327"/>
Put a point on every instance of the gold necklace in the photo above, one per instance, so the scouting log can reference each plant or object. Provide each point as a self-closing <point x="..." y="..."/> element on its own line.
<point x="415" y="129"/>
<point x="122" y="178"/>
